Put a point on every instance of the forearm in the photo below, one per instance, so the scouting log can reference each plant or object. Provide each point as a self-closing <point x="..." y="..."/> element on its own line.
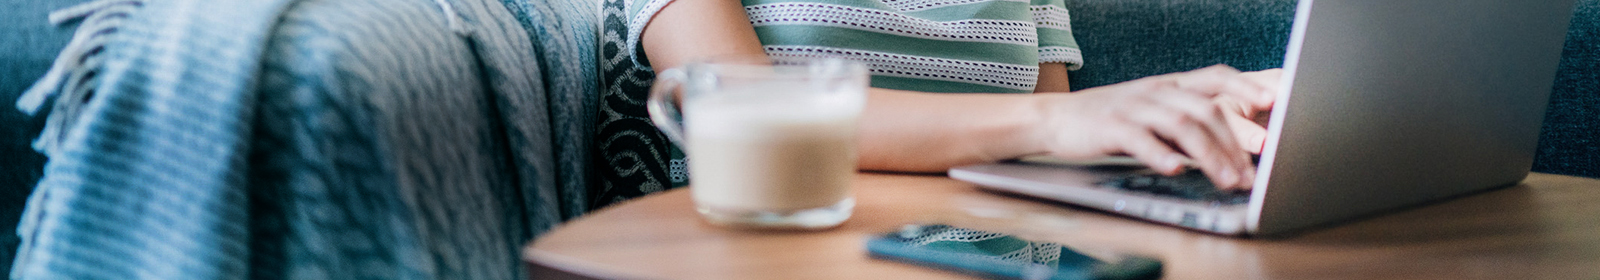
<point x="1158" y="120"/>
<point x="931" y="132"/>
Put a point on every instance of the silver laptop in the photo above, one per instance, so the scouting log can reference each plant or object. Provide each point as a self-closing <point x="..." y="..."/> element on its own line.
<point x="1385" y="104"/>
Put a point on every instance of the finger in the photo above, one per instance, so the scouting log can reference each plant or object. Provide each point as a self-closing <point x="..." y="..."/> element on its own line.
<point x="1217" y="121"/>
<point x="1209" y="81"/>
<point x="1216" y="158"/>
<point x="1144" y="146"/>
<point x="1209" y="115"/>
<point x="1248" y="92"/>
<point x="1258" y="89"/>
<point x="1233" y="105"/>
<point x="1269" y="80"/>
<point x="1252" y="136"/>
<point x="1204" y="81"/>
<point x="1247" y="124"/>
<point x="1255" y="89"/>
<point x="1216" y="70"/>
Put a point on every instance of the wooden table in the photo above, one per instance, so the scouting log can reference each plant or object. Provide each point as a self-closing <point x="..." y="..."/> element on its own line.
<point x="1547" y="227"/>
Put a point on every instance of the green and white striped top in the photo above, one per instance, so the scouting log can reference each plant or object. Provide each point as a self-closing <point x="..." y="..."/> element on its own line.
<point x="923" y="45"/>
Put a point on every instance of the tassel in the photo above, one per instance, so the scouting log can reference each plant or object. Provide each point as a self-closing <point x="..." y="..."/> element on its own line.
<point x="73" y="75"/>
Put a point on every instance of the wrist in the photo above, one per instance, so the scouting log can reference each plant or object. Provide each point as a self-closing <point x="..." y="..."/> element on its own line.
<point x="1029" y="128"/>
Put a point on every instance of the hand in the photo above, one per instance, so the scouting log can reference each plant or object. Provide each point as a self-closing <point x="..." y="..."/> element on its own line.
<point x="1160" y="121"/>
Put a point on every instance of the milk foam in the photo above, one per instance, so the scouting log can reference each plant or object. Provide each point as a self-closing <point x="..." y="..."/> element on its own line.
<point x="771" y="155"/>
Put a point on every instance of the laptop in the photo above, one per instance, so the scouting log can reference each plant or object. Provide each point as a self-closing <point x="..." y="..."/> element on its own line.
<point x="1385" y="104"/>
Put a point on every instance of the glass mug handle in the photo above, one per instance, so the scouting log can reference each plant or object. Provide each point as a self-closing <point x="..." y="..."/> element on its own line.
<point x="664" y="113"/>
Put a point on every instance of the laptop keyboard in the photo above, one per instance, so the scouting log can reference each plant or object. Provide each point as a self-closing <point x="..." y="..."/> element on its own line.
<point x="1191" y="185"/>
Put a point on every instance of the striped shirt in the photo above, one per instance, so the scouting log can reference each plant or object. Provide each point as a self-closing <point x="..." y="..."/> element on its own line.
<point x="923" y="45"/>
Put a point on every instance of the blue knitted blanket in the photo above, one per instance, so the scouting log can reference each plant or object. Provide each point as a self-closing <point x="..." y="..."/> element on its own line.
<point x="307" y="139"/>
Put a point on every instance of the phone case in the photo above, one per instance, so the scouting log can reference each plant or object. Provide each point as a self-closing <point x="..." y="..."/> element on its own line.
<point x="998" y="255"/>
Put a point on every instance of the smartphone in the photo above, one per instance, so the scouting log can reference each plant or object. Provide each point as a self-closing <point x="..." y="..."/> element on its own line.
<point x="998" y="255"/>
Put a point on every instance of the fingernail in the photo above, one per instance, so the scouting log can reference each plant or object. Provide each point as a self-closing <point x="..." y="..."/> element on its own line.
<point x="1172" y="163"/>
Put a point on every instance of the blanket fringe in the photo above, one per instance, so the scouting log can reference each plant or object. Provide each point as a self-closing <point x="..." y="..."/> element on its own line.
<point x="71" y="79"/>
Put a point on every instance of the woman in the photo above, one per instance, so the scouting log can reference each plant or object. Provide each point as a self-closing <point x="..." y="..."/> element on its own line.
<point x="918" y="47"/>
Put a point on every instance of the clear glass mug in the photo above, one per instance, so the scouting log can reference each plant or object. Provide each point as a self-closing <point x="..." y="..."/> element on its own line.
<point x="769" y="145"/>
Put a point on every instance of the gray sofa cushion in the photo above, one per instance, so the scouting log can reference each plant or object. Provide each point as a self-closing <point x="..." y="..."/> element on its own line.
<point x="1570" y="141"/>
<point x="1125" y="40"/>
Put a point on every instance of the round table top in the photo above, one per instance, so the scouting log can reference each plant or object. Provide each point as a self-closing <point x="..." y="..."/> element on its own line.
<point x="1548" y="226"/>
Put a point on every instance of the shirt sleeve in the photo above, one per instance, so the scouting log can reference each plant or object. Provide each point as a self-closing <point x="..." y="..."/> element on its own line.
<point x="1056" y="44"/>
<point x="638" y="13"/>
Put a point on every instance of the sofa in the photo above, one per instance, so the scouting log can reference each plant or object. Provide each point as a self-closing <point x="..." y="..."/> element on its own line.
<point x="1121" y="40"/>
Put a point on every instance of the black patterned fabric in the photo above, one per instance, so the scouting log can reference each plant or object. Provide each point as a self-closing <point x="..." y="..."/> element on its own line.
<point x="634" y="157"/>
